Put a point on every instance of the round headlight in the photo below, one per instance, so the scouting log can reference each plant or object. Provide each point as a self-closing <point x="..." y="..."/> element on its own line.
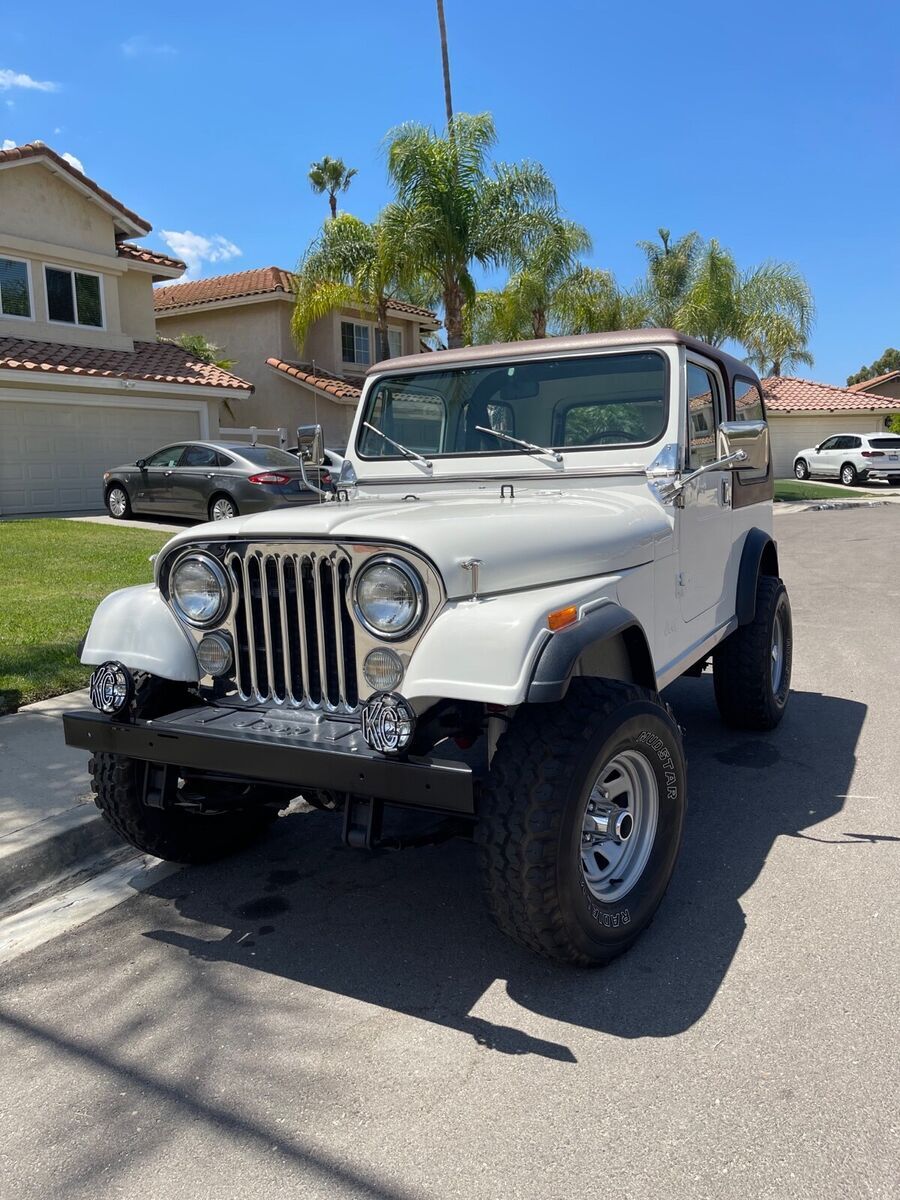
<point x="389" y="598"/>
<point x="199" y="589"/>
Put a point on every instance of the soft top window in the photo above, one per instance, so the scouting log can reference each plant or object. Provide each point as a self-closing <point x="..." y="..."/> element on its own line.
<point x="568" y="403"/>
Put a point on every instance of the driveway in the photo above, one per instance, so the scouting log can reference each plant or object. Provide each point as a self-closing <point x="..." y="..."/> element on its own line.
<point x="306" y="1020"/>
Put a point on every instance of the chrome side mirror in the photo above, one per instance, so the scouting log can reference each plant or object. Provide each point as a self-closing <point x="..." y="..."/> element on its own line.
<point x="750" y="437"/>
<point x="311" y="444"/>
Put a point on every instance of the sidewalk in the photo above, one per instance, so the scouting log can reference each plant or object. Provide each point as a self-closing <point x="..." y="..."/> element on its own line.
<point x="49" y="825"/>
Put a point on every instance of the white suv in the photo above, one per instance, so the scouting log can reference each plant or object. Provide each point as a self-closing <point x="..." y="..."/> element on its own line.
<point x="528" y="543"/>
<point x="852" y="458"/>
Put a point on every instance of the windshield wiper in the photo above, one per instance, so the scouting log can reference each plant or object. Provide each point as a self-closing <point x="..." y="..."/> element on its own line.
<point x="529" y="446"/>
<point x="411" y="454"/>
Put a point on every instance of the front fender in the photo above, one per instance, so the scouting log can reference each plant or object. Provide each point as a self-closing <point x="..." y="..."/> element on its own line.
<point x="137" y="628"/>
<point x="485" y="649"/>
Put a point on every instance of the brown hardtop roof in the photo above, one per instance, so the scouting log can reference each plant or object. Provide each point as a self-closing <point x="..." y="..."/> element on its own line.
<point x="574" y="344"/>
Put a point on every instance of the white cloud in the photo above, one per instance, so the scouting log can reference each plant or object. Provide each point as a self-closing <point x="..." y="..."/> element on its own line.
<point x="196" y="249"/>
<point x="74" y="162"/>
<point x="15" y="79"/>
<point x="140" y="44"/>
<point x="8" y="144"/>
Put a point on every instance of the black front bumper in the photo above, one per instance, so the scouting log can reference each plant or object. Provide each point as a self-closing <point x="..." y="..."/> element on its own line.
<point x="293" y="748"/>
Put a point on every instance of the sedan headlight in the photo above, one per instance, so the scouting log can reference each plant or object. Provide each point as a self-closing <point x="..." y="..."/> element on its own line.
<point x="199" y="589"/>
<point x="389" y="598"/>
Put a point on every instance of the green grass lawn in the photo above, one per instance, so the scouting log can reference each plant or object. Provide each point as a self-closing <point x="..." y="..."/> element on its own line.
<point x="795" y="489"/>
<point x="52" y="576"/>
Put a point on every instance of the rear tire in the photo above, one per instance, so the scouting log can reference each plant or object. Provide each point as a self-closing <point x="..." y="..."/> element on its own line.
<point x="169" y="833"/>
<point x="752" y="667"/>
<point x="849" y="475"/>
<point x="118" y="505"/>
<point x="222" y="508"/>
<point x="801" y="468"/>
<point x="553" y="883"/>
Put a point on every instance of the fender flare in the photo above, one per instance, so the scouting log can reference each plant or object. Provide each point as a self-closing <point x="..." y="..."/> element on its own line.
<point x="758" y="557"/>
<point x="560" y="656"/>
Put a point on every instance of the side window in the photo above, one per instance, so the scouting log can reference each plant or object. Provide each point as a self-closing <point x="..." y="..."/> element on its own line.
<point x="224" y="460"/>
<point x="839" y="443"/>
<point x="748" y="405"/>
<point x="853" y="443"/>
<point x="170" y="457"/>
<point x="199" y="456"/>
<point x="829" y="444"/>
<point x="701" y="416"/>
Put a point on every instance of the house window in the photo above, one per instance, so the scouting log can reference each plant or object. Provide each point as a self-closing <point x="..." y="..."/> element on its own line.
<point x="355" y="343"/>
<point x="74" y="297"/>
<point x="15" y="294"/>
<point x="395" y="344"/>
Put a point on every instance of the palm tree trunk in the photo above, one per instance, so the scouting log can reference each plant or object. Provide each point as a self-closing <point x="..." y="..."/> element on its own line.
<point x="446" y="61"/>
<point x="453" y="320"/>
<point x="332" y="200"/>
<point x="539" y="323"/>
<point x="776" y="367"/>
<point x="381" y="319"/>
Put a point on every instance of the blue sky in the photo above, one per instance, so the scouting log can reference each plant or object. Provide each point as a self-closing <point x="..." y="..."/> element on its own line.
<point x="773" y="127"/>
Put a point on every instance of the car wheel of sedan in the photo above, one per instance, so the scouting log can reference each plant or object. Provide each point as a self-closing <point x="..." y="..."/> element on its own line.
<point x="849" y="475"/>
<point x="117" y="503"/>
<point x="580" y="820"/>
<point x="801" y="468"/>
<point x="222" y="508"/>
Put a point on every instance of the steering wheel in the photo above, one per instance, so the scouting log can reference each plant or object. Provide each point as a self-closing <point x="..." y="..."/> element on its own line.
<point x="616" y="435"/>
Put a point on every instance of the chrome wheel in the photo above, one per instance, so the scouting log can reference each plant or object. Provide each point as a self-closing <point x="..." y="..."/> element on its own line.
<point x="619" y="826"/>
<point x="223" y="510"/>
<point x="117" y="502"/>
<point x="848" y="476"/>
<point x="801" y="470"/>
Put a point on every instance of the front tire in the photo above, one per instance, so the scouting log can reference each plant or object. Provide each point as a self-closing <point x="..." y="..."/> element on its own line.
<point x="169" y="833"/>
<point x="849" y="475"/>
<point x="580" y="821"/>
<point x="118" y="505"/>
<point x="752" y="667"/>
<point x="801" y="468"/>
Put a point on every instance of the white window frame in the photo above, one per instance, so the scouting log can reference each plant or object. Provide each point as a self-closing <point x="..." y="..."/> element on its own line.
<point x="5" y="316"/>
<point x="355" y="362"/>
<point x="73" y="271"/>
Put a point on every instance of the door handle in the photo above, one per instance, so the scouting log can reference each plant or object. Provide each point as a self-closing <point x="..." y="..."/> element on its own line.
<point x="167" y="474"/>
<point x="210" y="476"/>
<point x="725" y="491"/>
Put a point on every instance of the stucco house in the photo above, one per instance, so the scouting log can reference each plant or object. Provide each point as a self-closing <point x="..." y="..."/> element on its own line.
<point x="84" y="384"/>
<point x="803" y="413"/>
<point x="887" y="384"/>
<point x="248" y="314"/>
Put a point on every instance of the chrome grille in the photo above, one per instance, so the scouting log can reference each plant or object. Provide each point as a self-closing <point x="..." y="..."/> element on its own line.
<point x="294" y="636"/>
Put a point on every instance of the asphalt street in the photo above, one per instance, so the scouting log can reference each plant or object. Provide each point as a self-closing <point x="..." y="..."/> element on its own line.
<point x="310" y="1021"/>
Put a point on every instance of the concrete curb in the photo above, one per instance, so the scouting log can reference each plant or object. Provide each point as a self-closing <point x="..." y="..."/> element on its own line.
<point x="51" y="850"/>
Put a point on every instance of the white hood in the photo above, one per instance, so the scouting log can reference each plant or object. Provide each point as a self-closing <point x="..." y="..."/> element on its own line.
<point x="538" y="537"/>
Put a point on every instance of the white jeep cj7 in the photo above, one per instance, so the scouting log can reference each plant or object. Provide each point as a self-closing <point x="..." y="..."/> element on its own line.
<point x="528" y="543"/>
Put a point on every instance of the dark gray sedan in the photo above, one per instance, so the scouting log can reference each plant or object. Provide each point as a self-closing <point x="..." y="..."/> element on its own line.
<point x="211" y="481"/>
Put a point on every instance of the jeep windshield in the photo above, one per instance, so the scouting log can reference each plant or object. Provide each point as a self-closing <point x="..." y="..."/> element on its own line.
<point x="566" y="403"/>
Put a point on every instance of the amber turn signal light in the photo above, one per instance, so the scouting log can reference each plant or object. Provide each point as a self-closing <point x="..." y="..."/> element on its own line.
<point x="562" y="617"/>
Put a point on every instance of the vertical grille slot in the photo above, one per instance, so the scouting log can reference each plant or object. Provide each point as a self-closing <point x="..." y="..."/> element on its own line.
<point x="293" y="633"/>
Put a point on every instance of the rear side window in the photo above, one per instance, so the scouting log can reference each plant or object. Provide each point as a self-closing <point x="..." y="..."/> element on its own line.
<point x="199" y="456"/>
<point x="748" y="404"/>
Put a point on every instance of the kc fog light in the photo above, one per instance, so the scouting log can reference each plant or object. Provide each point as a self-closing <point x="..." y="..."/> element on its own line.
<point x="112" y="688"/>
<point x="383" y="670"/>
<point x="388" y="723"/>
<point x="214" y="654"/>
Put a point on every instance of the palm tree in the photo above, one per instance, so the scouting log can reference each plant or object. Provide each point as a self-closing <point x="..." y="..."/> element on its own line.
<point x="351" y="263"/>
<point x="591" y="301"/>
<point x="778" y="348"/>
<point x="697" y="287"/>
<point x="445" y="59"/>
<point x="202" y="349"/>
<point x="452" y="211"/>
<point x="331" y="176"/>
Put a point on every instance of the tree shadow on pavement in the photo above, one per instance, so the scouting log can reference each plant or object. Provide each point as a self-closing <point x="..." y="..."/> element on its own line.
<point x="407" y="931"/>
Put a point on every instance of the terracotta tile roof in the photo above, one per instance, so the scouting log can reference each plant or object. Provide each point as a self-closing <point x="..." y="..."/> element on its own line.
<point x="157" y="362"/>
<point x="785" y="394"/>
<point x="338" y="388"/>
<point x="865" y="384"/>
<point x="38" y="150"/>
<point x="257" y="282"/>
<point x="142" y="254"/>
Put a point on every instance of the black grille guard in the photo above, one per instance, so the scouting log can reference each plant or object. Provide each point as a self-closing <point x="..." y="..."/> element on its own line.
<point x="294" y="748"/>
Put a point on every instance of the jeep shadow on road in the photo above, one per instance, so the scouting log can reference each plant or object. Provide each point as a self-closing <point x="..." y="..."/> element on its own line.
<point x="408" y="930"/>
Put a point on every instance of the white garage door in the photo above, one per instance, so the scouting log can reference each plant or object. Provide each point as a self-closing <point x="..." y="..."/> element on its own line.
<point x="791" y="434"/>
<point x="52" y="456"/>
